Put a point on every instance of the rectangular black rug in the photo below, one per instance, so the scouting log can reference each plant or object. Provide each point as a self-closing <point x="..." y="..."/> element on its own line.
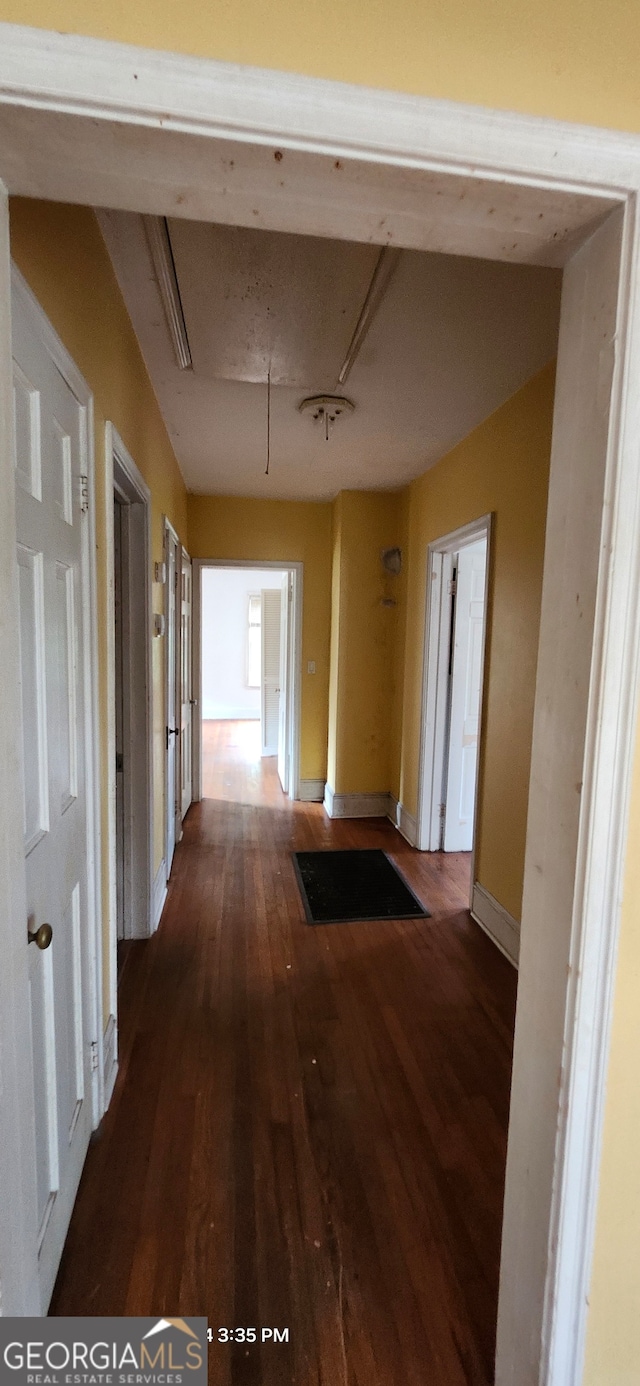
<point x="338" y="887"/>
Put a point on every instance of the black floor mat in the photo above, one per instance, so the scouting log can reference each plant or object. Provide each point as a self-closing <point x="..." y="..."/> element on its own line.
<point x="338" y="887"/>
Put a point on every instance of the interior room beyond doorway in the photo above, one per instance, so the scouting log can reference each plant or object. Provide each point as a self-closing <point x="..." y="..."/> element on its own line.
<point x="246" y="682"/>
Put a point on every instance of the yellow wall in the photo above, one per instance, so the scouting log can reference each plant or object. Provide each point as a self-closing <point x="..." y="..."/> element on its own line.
<point x="363" y="640"/>
<point x="502" y="467"/>
<point x="287" y="531"/>
<point x="613" y="1338"/>
<point x="574" y="59"/>
<point x="62" y="256"/>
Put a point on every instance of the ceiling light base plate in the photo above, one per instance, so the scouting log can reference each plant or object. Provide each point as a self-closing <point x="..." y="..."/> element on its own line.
<point x="327" y="408"/>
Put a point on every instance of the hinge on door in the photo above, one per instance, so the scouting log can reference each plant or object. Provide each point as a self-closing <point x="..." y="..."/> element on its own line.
<point x="442" y="808"/>
<point x="452" y="587"/>
<point x="94" y="1055"/>
<point x="84" y="493"/>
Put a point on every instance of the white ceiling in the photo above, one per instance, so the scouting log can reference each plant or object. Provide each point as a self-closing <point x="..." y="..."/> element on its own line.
<point x="452" y="339"/>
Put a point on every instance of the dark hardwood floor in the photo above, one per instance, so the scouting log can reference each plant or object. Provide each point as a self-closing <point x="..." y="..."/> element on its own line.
<point x="309" y="1125"/>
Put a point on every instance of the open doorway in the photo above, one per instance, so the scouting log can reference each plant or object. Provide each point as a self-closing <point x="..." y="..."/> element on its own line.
<point x="179" y="701"/>
<point x="248" y="675"/>
<point x="457" y="587"/>
<point x="130" y="751"/>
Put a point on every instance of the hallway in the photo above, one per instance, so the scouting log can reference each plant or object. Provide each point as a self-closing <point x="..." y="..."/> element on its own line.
<point x="309" y="1124"/>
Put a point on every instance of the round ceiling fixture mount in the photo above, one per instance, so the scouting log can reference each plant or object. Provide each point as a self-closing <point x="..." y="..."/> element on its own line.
<point x="326" y="408"/>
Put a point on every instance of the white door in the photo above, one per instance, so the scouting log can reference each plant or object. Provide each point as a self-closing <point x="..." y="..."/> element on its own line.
<point x="271" y="600"/>
<point x="53" y="641"/>
<point x="466" y="687"/>
<point x="118" y="593"/>
<point x="172" y="729"/>
<point x="284" y="682"/>
<point x="186" y="709"/>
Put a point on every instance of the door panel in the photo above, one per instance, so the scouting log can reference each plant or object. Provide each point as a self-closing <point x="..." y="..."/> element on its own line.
<point x="49" y="514"/>
<point x="119" y="675"/>
<point x="34" y="700"/>
<point x="466" y="684"/>
<point x="271" y="599"/>
<point x="172" y="708"/>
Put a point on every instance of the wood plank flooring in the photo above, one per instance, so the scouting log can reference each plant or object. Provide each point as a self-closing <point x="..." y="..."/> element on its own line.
<point x="309" y="1124"/>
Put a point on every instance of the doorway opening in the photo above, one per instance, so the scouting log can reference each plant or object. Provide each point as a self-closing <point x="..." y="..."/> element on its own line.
<point x="456" y="615"/>
<point x="130" y="721"/>
<point x="179" y="700"/>
<point x="247" y="668"/>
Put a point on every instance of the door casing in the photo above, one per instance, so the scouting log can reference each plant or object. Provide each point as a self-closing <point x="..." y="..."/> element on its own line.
<point x="122" y="475"/>
<point x="433" y="720"/>
<point x="186" y="700"/>
<point x="295" y="661"/>
<point x="172" y="632"/>
<point x="440" y="176"/>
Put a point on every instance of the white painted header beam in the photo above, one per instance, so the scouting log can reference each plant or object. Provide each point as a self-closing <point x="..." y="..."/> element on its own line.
<point x="477" y="185"/>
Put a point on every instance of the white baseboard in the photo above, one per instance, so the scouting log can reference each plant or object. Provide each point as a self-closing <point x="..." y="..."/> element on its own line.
<point x="370" y="806"/>
<point x="355" y="805"/>
<point x="501" y="927"/>
<point x="226" y="712"/>
<point x="110" y="1057"/>
<point x="403" y="821"/>
<point x="158" y="895"/>
<point x="311" y="791"/>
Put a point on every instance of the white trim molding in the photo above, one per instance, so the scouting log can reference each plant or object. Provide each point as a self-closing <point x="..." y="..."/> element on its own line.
<point x="296" y="568"/>
<point x="502" y="928"/>
<point x="356" y="805"/>
<point x="110" y="1052"/>
<point x="121" y="475"/>
<point x="158" y="895"/>
<point x="312" y="791"/>
<point x="433" y="751"/>
<point x="403" y="821"/>
<point x="93" y="83"/>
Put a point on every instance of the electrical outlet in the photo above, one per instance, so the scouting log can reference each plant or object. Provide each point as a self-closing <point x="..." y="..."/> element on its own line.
<point x="311" y="666"/>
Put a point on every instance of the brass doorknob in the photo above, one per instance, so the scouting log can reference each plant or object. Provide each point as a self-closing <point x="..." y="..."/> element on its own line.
<point x="41" y="937"/>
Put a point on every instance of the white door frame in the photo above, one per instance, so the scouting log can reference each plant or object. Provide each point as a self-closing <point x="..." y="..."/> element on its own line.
<point x="122" y="474"/>
<point x="185" y="563"/>
<point x="170" y="535"/>
<point x="18" y="1258"/>
<point x="435" y="684"/>
<point x="295" y="664"/>
<point x="84" y="120"/>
